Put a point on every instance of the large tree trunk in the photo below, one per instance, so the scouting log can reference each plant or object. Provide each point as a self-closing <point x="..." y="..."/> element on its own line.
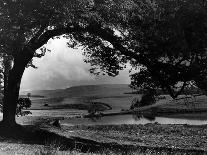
<point x="11" y="94"/>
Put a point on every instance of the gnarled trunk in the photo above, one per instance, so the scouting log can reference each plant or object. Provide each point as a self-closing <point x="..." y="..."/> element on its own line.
<point x="11" y="94"/>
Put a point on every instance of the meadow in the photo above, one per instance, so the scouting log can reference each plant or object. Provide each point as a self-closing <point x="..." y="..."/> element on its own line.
<point x="40" y="136"/>
<point x="112" y="99"/>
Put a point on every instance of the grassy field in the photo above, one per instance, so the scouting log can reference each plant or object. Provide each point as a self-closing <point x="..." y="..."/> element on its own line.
<point x="75" y="97"/>
<point x="112" y="98"/>
<point x="39" y="136"/>
<point x="149" y="139"/>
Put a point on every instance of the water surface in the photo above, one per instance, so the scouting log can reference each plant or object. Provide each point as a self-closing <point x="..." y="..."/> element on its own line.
<point x="129" y="119"/>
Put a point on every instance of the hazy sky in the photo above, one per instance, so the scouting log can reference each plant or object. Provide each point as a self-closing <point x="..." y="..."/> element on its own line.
<point x="64" y="67"/>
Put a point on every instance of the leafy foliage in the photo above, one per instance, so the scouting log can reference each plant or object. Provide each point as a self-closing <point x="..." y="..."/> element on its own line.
<point x="166" y="38"/>
<point x="174" y="42"/>
<point x="147" y="98"/>
<point x="143" y="80"/>
<point x="23" y="103"/>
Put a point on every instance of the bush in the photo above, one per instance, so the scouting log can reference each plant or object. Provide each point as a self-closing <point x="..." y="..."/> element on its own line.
<point x="148" y="98"/>
<point x="23" y="103"/>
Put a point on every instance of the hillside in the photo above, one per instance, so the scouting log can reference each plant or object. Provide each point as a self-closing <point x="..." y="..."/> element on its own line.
<point x="79" y="97"/>
<point x="84" y="90"/>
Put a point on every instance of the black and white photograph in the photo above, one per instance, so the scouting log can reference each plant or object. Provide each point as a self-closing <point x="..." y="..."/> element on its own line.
<point x="103" y="77"/>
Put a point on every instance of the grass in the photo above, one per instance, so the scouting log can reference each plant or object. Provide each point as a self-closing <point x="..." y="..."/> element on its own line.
<point x="148" y="139"/>
<point x="109" y="152"/>
<point x="36" y="139"/>
<point x="112" y="95"/>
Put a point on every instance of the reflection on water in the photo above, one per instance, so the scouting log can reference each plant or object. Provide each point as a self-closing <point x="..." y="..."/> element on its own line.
<point x="129" y="119"/>
<point x="58" y="113"/>
<point x="163" y="120"/>
<point x="110" y="120"/>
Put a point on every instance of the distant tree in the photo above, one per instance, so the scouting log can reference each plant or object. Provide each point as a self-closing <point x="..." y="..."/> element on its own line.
<point x="23" y="103"/>
<point x="147" y="98"/>
<point x="28" y="95"/>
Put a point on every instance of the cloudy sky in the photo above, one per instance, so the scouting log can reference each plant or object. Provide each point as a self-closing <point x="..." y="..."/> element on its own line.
<point x="64" y="67"/>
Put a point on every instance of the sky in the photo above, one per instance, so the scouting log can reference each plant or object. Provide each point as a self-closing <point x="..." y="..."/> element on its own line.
<point x="63" y="67"/>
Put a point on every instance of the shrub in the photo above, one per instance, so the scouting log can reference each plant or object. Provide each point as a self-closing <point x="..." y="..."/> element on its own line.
<point x="23" y="103"/>
<point x="148" y="98"/>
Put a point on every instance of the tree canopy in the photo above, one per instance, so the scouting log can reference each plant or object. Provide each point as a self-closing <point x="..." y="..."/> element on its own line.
<point x="164" y="40"/>
<point x="167" y="39"/>
<point x="175" y="44"/>
<point x="27" y="25"/>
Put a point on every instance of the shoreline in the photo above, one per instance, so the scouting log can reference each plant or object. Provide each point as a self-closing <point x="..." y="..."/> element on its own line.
<point x="152" y="137"/>
<point x="175" y="137"/>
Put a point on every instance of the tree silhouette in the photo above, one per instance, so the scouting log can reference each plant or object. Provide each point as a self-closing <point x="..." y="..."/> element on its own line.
<point x="27" y="25"/>
<point x="165" y="41"/>
<point x="174" y="41"/>
<point x="166" y="38"/>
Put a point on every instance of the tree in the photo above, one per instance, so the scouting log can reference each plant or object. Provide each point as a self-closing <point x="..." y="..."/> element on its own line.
<point x="27" y="25"/>
<point x="112" y="33"/>
<point x="177" y="48"/>
<point x="20" y="28"/>
<point x="166" y="40"/>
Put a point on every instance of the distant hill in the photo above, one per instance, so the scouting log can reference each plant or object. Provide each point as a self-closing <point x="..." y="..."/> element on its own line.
<point x="84" y="90"/>
<point x="65" y="98"/>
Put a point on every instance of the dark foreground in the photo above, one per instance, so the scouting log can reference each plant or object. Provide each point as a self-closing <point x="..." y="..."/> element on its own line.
<point x="40" y="136"/>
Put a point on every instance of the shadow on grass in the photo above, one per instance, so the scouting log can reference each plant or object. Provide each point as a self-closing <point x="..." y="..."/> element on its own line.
<point x="30" y="134"/>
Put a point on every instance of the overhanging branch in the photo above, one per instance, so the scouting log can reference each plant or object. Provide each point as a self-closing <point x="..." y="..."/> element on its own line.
<point x="107" y="35"/>
<point x="96" y="30"/>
